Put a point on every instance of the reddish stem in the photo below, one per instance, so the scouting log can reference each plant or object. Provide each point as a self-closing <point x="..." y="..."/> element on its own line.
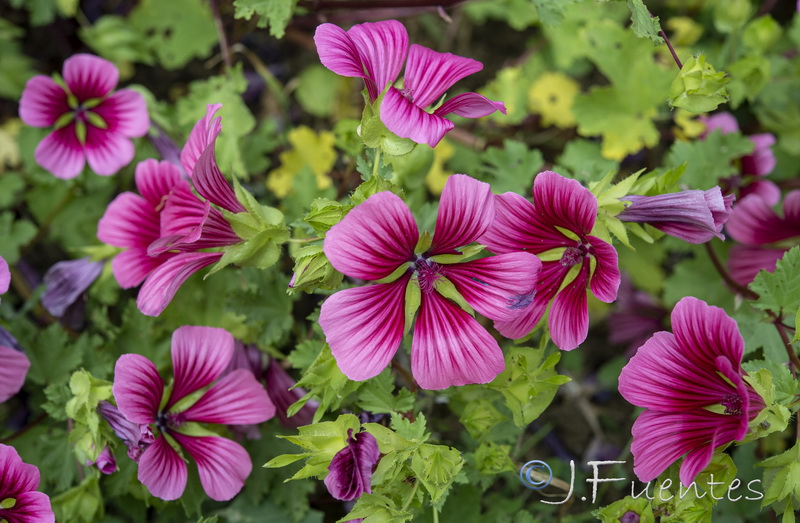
<point x="738" y="287"/>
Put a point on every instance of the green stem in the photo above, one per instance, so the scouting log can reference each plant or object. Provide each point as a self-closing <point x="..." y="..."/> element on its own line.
<point x="411" y="497"/>
<point x="263" y="71"/>
<point x="304" y="240"/>
<point x="377" y="163"/>
<point x="435" y="515"/>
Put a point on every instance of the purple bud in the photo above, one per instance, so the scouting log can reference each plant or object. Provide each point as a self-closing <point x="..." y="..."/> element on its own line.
<point x="350" y="471"/>
<point x="278" y="384"/>
<point x="105" y="463"/>
<point x="137" y="437"/>
<point x="66" y="281"/>
<point x="165" y="147"/>
<point x="629" y="517"/>
<point x="5" y="276"/>
<point x="693" y="216"/>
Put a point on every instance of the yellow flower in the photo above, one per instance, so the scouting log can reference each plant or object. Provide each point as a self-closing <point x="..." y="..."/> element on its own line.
<point x="552" y="96"/>
<point x="437" y="176"/>
<point x="309" y="149"/>
<point x="688" y="125"/>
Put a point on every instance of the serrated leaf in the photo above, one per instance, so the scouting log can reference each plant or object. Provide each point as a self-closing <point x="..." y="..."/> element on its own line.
<point x="273" y="13"/>
<point x="779" y="291"/>
<point x="644" y="25"/>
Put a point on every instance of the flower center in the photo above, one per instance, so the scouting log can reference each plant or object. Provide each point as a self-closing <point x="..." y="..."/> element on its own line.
<point x="732" y="404"/>
<point x="408" y="94"/>
<point x="574" y="255"/>
<point x="427" y="273"/>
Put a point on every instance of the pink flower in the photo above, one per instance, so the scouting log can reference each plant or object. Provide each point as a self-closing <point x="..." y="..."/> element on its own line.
<point x="676" y="378"/>
<point x="692" y="216"/>
<point x="282" y="391"/>
<point x="759" y="230"/>
<point x="558" y="222"/>
<point x="199" y="355"/>
<point x="19" y="483"/>
<point x="137" y="437"/>
<point x="350" y="471"/>
<point x="365" y="325"/>
<point x="5" y="276"/>
<point x="15" y="366"/>
<point x="105" y="462"/>
<point x="92" y="124"/>
<point x="377" y="51"/>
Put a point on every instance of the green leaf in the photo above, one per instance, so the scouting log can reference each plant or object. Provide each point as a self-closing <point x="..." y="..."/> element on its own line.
<point x="325" y="381"/>
<point x="83" y="503"/>
<point x="52" y="354"/>
<point x="15" y="234"/>
<point x="273" y="13"/>
<point x="87" y="392"/>
<point x="376" y="395"/>
<point x="410" y="430"/>
<point x="375" y="508"/>
<point x="551" y="12"/>
<point x="698" y="88"/>
<point x="325" y="213"/>
<point x="710" y="159"/>
<point x="614" y="512"/>
<point x="510" y="168"/>
<point x="779" y="291"/>
<point x="479" y="417"/>
<point x="436" y="466"/>
<point x="642" y="23"/>
<point x="17" y="67"/>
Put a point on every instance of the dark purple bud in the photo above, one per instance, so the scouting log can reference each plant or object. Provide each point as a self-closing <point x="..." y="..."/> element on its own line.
<point x="693" y="216"/>
<point x="105" y="463"/>
<point x="165" y="146"/>
<point x="66" y="281"/>
<point x="629" y="517"/>
<point x="135" y="436"/>
<point x="350" y="471"/>
<point x="278" y="384"/>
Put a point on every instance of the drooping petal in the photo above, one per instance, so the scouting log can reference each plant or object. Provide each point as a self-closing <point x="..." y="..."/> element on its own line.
<point x="499" y="287"/>
<point x="279" y="384"/>
<point x="43" y="102"/>
<point x="470" y="105"/>
<point x="703" y="332"/>
<point x="755" y="223"/>
<point x="430" y="73"/>
<point x="12" y="372"/>
<point x="564" y="202"/>
<point x="155" y="180"/>
<point x="569" y="314"/>
<point x="222" y="464"/>
<point x="746" y="262"/>
<point x="199" y="355"/>
<point x="65" y="281"/>
<point x="236" y="399"/>
<point x="450" y="347"/>
<point x="162" y="470"/>
<point x="374" y="238"/>
<point x="61" y="153"/>
<point x="204" y="132"/>
<point x="161" y="285"/>
<point x="133" y="265"/>
<point x="5" y="276"/>
<point x="350" y="471"/>
<point x="105" y="462"/>
<point x="89" y="76"/>
<point x="407" y="120"/>
<point x="125" y="113"/>
<point x="138" y="388"/>
<point x="518" y="226"/>
<point x="211" y="184"/>
<point x="466" y="211"/>
<point x="129" y="221"/>
<point x="606" y="276"/>
<point x="382" y="47"/>
<point x="16" y="477"/>
<point x="337" y="51"/>
<point x="107" y="152"/>
<point x="364" y="326"/>
<point x="31" y="507"/>
<point x="182" y="219"/>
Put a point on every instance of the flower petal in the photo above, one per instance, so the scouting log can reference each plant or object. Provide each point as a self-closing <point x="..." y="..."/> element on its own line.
<point x="466" y="211"/>
<point x="606" y="276"/>
<point x="450" y="347"/>
<point x="155" y="180"/>
<point x="204" y="132"/>
<point x="162" y="470"/>
<point x="5" y="276"/>
<point x="125" y="113"/>
<point x="725" y="122"/>
<point x="161" y="285"/>
<point x="746" y="262"/>
<point x="182" y="219"/>
<point x="364" y="326"/>
<point x="429" y="73"/>
<point x="12" y="372"/>
<point x="382" y="47"/>
<point x="61" y="153"/>
<point x="133" y="265"/>
<point x="499" y="287"/>
<point x="222" y="464"/>
<point x="89" y="76"/>
<point x="518" y="226"/>
<point x="107" y="152"/>
<point x="31" y="507"/>
<point x="755" y="223"/>
<point x="703" y="332"/>
<point x="350" y="470"/>
<point x="337" y="51"/>
<point x="138" y="388"/>
<point x="407" y="120"/>
<point x="65" y="281"/>
<point x="770" y="192"/>
<point x="211" y="184"/>
<point x="569" y="314"/>
<point x="470" y="105"/>
<point x="199" y="355"/>
<point x="564" y="202"/>
<point x="129" y="221"/>
<point x="762" y="161"/>
<point x="43" y="102"/>
<point x="17" y="476"/>
<point x="374" y="238"/>
<point x="236" y="399"/>
<point x="280" y="389"/>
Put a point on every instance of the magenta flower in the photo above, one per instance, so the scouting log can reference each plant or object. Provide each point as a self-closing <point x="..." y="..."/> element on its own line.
<point x="350" y="471"/>
<point x="105" y="462"/>
<point x="365" y="325"/>
<point x="558" y="222"/>
<point x="5" y="276"/>
<point x="762" y="234"/>
<point x="690" y="384"/>
<point x="92" y="124"/>
<point x="21" y="502"/>
<point x="15" y="366"/>
<point x="376" y="52"/>
<point x="199" y="355"/>
<point x="692" y="216"/>
<point x="283" y="393"/>
<point x="66" y="281"/>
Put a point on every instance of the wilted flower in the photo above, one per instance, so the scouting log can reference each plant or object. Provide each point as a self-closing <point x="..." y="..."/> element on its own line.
<point x="105" y="462"/>
<point x="66" y="281"/>
<point x="136" y="436"/>
<point x="558" y="223"/>
<point x="690" y="384"/>
<point x="350" y="471"/>
<point x="21" y="503"/>
<point x="91" y="123"/>
<point x="279" y="388"/>
<point x="376" y="52"/>
<point x="692" y="216"/>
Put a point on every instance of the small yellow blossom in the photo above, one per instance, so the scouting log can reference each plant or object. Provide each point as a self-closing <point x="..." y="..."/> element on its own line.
<point x="552" y="96"/>
<point x="437" y="176"/>
<point x="309" y="149"/>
